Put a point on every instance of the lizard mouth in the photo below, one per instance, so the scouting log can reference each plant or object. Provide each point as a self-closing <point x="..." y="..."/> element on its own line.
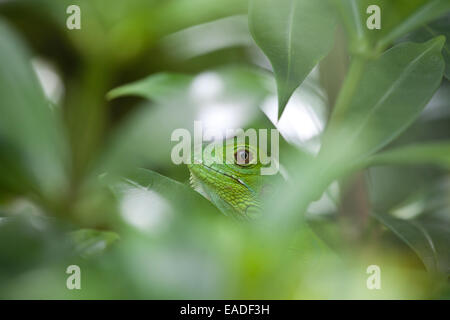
<point x="237" y="180"/>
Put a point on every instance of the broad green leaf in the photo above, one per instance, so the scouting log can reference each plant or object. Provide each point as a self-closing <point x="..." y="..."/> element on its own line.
<point x="442" y="27"/>
<point x="172" y="190"/>
<point x="153" y="202"/>
<point x="430" y="153"/>
<point x="391" y="94"/>
<point x="427" y="12"/>
<point x="155" y="87"/>
<point x="229" y="32"/>
<point x="89" y="242"/>
<point x="426" y="235"/>
<point x="295" y="35"/>
<point x="26" y="121"/>
<point x="397" y="18"/>
<point x="433" y="29"/>
<point x="230" y="81"/>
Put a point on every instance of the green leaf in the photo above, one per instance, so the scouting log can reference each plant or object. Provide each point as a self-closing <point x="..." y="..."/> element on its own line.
<point x="430" y="153"/>
<point x="391" y="94"/>
<point x="444" y="29"/>
<point x="295" y="35"/>
<point x="230" y="32"/>
<point x="230" y="81"/>
<point x="427" y="12"/>
<point x="426" y="235"/>
<point x="433" y="29"/>
<point x="397" y="18"/>
<point x="174" y="191"/>
<point x="27" y="123"/>
<point x="151" y="199"/>
<point x="155" y="87"/>
<point x="89" y="242"/>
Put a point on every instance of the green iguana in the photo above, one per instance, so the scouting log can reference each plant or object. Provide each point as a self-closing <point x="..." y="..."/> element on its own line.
<point x="238" y="189"/>
<point x="235" y="185"/>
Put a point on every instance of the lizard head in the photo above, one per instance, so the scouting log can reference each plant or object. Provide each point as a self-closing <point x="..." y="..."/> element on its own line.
<point x="229" y="175"/>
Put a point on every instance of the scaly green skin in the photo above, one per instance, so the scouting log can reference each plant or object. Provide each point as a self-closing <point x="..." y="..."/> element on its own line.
<point x="235" y="189"/>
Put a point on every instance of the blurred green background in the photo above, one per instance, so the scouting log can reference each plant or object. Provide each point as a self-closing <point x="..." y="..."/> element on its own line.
<point x="71" y="193"/>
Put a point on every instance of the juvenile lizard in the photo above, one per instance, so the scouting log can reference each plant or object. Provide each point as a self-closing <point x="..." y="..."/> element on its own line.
<point x="235" y="184"/>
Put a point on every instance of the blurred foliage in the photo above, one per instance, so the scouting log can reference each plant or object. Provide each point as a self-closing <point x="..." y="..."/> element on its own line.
<point x="294" y="35"/>
<point x="86" y="176"/>
<point x="439" y="26"/>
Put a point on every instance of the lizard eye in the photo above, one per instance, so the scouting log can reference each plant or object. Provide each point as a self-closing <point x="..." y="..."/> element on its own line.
<point x="243" y="157"/>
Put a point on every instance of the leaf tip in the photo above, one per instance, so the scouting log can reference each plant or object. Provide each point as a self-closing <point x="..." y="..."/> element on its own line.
<point x="283" y="99"/>
<point x="110" y="95"/>
<point x="438" y="41"/>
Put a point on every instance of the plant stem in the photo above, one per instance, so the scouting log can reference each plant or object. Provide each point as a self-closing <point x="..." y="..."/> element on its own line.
<point x="349" y="87"/>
